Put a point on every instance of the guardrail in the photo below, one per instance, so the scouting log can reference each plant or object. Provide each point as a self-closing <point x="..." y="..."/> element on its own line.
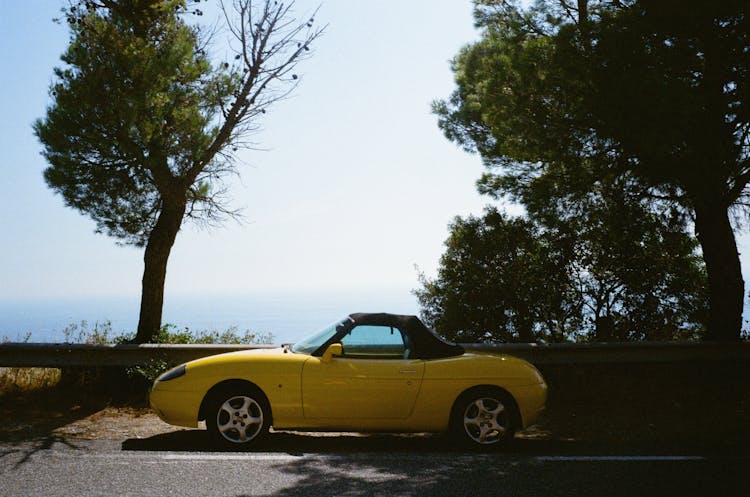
<point x="624" y="352"/>
<point x="56" y="355"/>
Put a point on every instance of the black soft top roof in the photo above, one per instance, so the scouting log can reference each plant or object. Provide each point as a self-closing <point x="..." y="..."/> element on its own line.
<point x="423" y="342"/>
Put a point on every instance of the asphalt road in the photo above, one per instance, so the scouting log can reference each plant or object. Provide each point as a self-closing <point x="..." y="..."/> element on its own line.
<point x="183" y="464"/>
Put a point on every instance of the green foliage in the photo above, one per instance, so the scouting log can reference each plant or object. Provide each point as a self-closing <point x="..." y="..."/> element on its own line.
<point x="103" y="334"/>
<point x="100" y="333"/>
<point x="25" y="339"/>
<point x="140" y="116"/>
<point x="621" y="272"/>
<point x="144" y="375"/>
<point x="170" y="334"/>
<point x="139" y="378"/>
<point x="563" y="101"/>
<point x="135" y="105"/>
<point x="143" y="126"/>
<point x="498" y="281"/>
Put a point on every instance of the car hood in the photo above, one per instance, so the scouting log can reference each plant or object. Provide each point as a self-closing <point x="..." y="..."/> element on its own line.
<point x="263" y="355"/>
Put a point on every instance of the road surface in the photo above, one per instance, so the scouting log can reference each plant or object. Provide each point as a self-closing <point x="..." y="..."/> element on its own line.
<point x="183" y="464"/>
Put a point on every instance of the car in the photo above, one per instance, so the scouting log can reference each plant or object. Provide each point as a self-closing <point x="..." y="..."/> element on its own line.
<point x="370" y="372"/>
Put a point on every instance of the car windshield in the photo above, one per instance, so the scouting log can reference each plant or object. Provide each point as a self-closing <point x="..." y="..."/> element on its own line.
<point x="313" y="343"/>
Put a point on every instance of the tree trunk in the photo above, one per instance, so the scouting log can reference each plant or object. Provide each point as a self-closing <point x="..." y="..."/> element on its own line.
<point x="155" y="270"/>
<point x="725" y="285"/>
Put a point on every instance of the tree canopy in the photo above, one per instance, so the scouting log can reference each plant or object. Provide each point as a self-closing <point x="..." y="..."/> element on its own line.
<point x="144" y="125"/>
<point x="498" y="280"/>
<point x="561" y="98"/>
<point x="620" y="272"/>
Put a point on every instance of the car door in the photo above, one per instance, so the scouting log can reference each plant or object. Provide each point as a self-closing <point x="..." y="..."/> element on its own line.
<point x="373" y="379"/>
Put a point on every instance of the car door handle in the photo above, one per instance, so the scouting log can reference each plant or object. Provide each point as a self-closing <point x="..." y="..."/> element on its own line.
<point x="408" y="371"/>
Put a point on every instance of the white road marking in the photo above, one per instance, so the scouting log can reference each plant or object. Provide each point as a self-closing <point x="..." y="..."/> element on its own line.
<point x="617" y="458"/>
<point x="173" y="457"/>
<point x="291" y="457"/>
<point x="230" y="457"/>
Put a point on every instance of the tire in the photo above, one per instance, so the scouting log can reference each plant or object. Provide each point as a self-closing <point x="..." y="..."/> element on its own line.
<point x="237" y="417"/>
<point x="485" y="419"/>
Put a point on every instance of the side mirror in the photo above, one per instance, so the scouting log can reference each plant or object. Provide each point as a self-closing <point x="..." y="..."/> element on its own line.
<point x="333" y="350"/>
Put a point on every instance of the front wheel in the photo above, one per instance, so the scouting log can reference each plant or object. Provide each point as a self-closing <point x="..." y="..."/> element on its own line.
<point x="237" y="418"/>
<point x="484" y="419"/>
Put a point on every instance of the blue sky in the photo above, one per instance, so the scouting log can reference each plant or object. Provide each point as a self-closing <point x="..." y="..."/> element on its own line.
<point x="355" y="187"/>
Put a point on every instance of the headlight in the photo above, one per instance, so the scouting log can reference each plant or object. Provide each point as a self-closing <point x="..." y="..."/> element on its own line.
<point x="172" y="373"/>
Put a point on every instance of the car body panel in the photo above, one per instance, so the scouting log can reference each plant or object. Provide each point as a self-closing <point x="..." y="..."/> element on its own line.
<point x="275" y="372"/>
<point x="356" y="388"/>
<point x="446" y="379"/>
<point x="311" y="392"/>
<point x="373" y="396"/>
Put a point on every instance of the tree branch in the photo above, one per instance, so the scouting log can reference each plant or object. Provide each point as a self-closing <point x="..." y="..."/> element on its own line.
<point x="262" y="39"/>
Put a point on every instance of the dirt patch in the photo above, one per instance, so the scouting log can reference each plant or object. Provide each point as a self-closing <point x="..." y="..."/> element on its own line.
<point x="116" y="423"/>
<point x="61" y="413"/>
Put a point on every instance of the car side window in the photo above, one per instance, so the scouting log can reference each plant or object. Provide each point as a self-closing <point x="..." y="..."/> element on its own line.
<point x="374" y="342"/>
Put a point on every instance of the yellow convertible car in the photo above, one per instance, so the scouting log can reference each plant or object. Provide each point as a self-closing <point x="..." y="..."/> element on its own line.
<point x="368" y="372"/>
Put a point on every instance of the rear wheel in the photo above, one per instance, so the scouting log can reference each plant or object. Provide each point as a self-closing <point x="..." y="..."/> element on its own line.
<point x="237" y="418"/>
<point x="484" y="419"/>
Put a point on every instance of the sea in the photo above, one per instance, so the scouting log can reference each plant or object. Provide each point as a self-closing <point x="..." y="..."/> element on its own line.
<point x="287" y="316"/>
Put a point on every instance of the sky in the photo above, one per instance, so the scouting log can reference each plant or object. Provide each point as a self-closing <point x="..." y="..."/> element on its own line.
<point x="354" y="187"/>
<point x="353" y="190"/>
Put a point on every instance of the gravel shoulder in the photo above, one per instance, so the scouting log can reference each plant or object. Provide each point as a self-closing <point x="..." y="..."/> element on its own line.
<point x="57" y="414"/>
<point x="115" y="423"/>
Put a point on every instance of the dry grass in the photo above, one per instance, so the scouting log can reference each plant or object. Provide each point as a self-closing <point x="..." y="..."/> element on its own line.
<point x="39" y="403"/>
<point x="19" y="380"/>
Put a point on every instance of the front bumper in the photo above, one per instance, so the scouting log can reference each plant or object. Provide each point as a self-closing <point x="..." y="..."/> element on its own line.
<point x="175" y="407"/>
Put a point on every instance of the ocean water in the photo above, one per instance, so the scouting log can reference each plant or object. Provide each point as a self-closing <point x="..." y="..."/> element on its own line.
<point x="287" y="316"/>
